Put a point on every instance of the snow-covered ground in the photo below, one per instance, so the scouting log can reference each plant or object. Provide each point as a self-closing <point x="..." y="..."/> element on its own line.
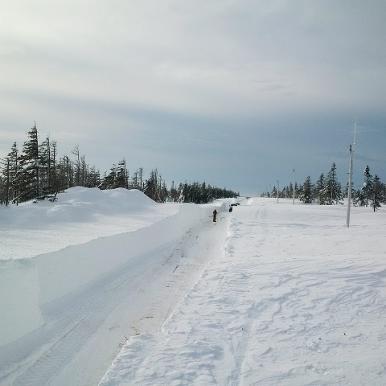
<point x="78" y="216"/>
<point x="65" y="313"/>
<point x="294" y="298"/>
<point x="271" y="294"/>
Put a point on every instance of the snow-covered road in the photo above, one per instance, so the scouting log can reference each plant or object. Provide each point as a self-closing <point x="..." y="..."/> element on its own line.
<point x="271" y="294"/>
<point x="295" y="298"/>
<point x="66" y="314"/>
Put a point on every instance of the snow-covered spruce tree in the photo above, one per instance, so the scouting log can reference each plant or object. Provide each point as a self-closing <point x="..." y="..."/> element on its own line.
<point x="332" y="188"/>
<point x="122" y="175"/>
<point x="93" y="178"/>
<point x="290" y="190"/>
<point x="5" y="182"/>
<point x="46" y="166"/>
<point x="367" y="187"/>
<point x="151" y="185"/>
<point x="298" y="189"/>
<point x="359" y="199"/>
<point x="65" y="174"/>
<point x="384" y="193"/>
<point x="306" y="195"/>
<point x="28" y="178"/>
<point x="109" y="179"/>
<point x="319" y="190"/>
<point x="274" y="192"/>
<point x="118" y="177"/>
<point x="9" y="171"/>
<point x="376" y="193"/>
<point x="164" y="193"/>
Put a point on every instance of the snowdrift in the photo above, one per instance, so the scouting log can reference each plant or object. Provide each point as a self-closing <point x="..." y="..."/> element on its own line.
<point x="28" y="285"/>
<point x="74" y="205"/>
<point x="79" y="215"/>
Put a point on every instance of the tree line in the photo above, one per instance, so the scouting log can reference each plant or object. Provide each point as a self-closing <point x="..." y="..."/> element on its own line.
<point x="327" y="190"/>
<point x="36" y="171"/>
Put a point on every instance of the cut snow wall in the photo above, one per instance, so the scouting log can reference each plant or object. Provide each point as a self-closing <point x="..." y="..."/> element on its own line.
<point x="27" y="286"/>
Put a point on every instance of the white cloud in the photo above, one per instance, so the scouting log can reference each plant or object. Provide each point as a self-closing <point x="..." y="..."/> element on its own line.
<point x="82" y="65"/>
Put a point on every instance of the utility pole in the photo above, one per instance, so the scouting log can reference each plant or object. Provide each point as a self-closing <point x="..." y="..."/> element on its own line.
<point x="350" y="172"/>
<point x="293" y="186"/>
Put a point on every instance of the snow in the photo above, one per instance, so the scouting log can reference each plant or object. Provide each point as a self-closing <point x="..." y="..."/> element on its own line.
<point x="271" y="294"/>
<point x="294" y="299"/>
<point x="79" y="215"/>
<point x="65" y="313"/>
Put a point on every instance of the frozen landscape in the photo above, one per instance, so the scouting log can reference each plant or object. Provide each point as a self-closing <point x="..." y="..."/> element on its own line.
<point x="123" y="291"/>
<point x="124" y="125"/>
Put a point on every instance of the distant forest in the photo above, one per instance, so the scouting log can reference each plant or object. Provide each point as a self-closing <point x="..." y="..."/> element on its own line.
<point x="327" y="190"/>
<point x="37" y="172"/>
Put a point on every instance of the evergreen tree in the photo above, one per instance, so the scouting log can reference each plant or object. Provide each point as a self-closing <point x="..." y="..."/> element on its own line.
<point x="151" y="185"/>
<point x="367" y="188"/>
<point x="376" y="193"/>
<point x="307" y="191"/>
<point x="122" y="175"/>
<point x="9" y="174"/>
<point x="28" y="180"/>
<point x="45" y="166"/>
<point x="320" y="190"/>
<point x="93" y="178"/>
<point x="274" y="192"/>
<point x="332" y="191"/>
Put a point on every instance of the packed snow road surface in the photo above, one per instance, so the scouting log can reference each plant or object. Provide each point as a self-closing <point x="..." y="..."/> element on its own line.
<point x="294" y="298"/>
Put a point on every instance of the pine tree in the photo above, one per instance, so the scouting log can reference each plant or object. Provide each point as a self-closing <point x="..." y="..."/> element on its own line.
<point x="376" y="193"/>
<point x="122" y="175"/>
<point x="28" y="180"/>
<point x="367" y="187"/>
<point x="332" y="191"/>
<point x="5" y="182"/>
<point x="274" y="192"/>
<point x="320" y="190"/>
<point x="45" y="166"/>
<point x="151" y="185"/>
<point x="9" y="173"/>
<point x="307" y="191"/>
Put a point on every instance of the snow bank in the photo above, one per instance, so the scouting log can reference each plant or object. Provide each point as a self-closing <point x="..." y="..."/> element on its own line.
<point x="74" y="205"/>
<point x="47" y="278"/>
<point x="79" y="215"/>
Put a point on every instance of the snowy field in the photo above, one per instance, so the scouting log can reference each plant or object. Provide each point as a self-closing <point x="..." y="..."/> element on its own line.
<point x="271" y="294"/>
<point x="294" y="298"/>
<point x="79" y="215"/>
<point x="67" y="306"/>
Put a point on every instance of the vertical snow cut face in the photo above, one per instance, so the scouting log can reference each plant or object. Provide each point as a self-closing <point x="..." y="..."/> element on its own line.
<point x="296" y="298"/>
<point x="67" y="312"/>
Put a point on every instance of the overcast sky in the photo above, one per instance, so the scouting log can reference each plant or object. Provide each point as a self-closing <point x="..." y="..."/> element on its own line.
<point x="236" y="92"/>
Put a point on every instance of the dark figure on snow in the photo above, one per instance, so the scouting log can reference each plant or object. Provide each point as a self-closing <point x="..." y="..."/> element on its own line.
<point x="215" y="215"/>
<point x="230" y="209"/>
